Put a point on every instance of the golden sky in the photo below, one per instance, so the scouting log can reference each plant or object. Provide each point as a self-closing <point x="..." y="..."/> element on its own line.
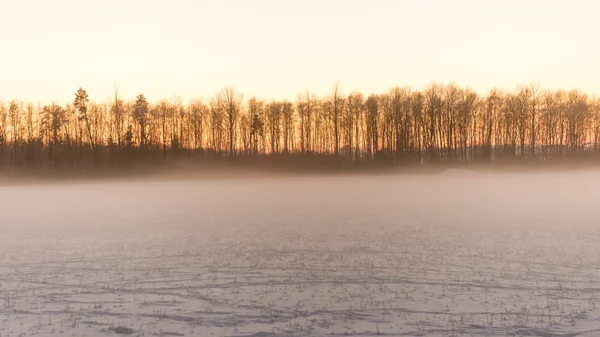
<point x="277" y="48"/>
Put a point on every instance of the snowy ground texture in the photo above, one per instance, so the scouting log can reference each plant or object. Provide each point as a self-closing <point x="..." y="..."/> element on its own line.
<point x="448" y="255"/>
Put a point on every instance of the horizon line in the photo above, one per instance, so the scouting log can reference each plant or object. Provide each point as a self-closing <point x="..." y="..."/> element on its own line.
<point x="203" y="98"/>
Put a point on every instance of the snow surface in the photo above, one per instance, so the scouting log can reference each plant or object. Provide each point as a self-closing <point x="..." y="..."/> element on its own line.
<point x="483" y="255"/>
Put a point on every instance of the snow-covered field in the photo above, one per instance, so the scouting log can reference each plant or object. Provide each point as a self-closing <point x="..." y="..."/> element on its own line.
<point x="448" y="255"/>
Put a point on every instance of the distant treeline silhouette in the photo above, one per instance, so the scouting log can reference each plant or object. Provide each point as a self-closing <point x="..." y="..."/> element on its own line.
<point x="443" y="123"/>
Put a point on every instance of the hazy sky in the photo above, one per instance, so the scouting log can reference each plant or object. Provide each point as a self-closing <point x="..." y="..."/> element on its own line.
<point x="277" y="48"/>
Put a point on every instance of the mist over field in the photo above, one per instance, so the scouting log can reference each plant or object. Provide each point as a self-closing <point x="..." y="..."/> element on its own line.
<point x="457" y="253"/>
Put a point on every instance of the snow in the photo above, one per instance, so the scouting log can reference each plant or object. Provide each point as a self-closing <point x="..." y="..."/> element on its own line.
<point x="492" y="255"/>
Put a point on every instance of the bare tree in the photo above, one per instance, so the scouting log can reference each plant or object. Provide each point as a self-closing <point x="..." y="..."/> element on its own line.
<point x="372" y="105"/>
<point x="14" y="114"/>
<point x="336" y="103"/>
<point x="356" y="107"/>
<point x="232" y="101"/>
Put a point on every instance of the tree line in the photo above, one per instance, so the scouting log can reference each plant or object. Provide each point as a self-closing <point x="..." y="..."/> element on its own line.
<point x="441" y="123"/>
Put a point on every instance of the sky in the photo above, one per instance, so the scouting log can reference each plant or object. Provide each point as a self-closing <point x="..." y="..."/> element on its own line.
<point x="275" y="49"/>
